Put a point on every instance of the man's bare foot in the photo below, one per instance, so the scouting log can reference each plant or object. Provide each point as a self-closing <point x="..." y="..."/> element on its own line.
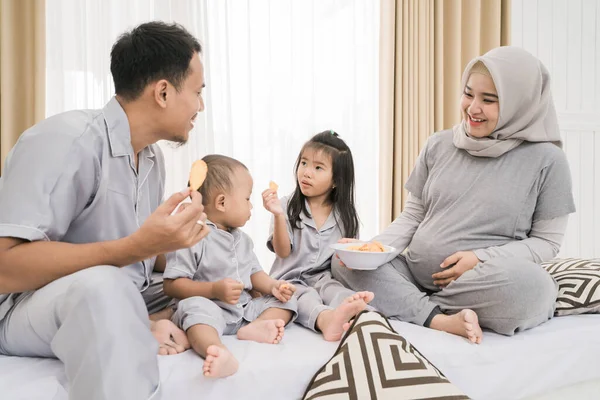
<point x="263" y="331"/>
<point x="219" y="362"/>
<point x="332" y="322"/>
<point x="166" y="313"/>
<point x="171" y="340"/>
<point x="464" y="323"/>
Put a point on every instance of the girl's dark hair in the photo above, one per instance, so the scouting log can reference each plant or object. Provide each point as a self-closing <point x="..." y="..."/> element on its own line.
<point x="342" y="195"/>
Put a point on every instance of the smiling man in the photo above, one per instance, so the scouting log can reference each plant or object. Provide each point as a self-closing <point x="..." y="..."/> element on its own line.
<point x="83" y="224"/>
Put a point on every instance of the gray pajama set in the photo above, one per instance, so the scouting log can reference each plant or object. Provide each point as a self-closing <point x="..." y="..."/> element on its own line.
<point x="308" y="266"/>
<point x="492" y="206"/>
<point x="71" y="178"/>
<point x="220" y="255"/>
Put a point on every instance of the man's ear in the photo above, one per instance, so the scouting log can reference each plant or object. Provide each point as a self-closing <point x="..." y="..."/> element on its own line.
<point x="160" y="93"/>
<point x="219" y="202"/>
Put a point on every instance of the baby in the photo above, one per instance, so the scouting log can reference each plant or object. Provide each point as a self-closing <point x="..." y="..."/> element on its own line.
<point x="212" y="279"/>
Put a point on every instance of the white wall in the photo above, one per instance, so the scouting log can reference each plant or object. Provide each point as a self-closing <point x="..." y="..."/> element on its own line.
<point x="565" y="35"/>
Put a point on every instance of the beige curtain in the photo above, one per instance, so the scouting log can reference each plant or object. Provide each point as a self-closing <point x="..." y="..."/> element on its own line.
<point x="424" y="47"/>
<point x="22" y="69"/>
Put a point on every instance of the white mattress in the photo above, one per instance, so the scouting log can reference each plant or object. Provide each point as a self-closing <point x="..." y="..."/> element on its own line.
<point x="564" y="352"/>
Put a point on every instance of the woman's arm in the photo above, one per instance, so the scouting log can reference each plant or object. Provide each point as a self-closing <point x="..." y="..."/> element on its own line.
<point x="400" y="232"/>
<point x="543" y="243"/>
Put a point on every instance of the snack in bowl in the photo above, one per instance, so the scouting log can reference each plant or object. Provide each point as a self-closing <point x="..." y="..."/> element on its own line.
<point x="373" y="247"/>
<point x="198" y="174"/>
<point x="364" y="255"/>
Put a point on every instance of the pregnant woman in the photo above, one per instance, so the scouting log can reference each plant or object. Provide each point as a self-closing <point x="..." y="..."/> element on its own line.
<point x="488" y="201"/>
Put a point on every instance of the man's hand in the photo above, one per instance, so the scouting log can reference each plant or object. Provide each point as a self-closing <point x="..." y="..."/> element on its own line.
<point x="171" y="340"/>
<point x="164" y="233"/>
<point x="460" y="262"/>
<point x="283" y="291"/>
<point x="228" y="290"/>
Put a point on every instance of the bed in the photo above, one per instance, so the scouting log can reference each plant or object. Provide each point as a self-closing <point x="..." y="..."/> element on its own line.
<point x="558" y="360"/>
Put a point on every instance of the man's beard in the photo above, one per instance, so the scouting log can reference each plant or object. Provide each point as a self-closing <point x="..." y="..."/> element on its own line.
<point x="177" y="141"/>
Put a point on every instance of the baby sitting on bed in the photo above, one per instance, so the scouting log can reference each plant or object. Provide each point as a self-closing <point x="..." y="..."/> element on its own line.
<point x="212" y="278"/>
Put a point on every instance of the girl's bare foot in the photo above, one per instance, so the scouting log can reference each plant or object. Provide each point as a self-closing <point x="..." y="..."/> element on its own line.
<point x="219" y="362"/>
<point x="367" y="297"/>
<point x="465" y="324"/>
<point x="364" y="296"/>
<point x="332" y="322"/>
<point x="263" y="331"/>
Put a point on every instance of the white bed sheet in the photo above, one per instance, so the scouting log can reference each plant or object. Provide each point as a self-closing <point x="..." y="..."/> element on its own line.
<point x="563" y="352"/>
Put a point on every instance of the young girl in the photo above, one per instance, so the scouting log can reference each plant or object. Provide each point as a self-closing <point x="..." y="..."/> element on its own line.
<point x="319" y="213"/>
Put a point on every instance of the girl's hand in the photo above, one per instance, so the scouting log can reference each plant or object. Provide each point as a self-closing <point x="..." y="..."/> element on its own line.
<point x="460" y="262"/>
<point x="283" y="291"/>
<point x="271" y="202"/>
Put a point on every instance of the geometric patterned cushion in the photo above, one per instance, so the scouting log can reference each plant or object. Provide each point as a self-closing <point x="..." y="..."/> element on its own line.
<point x="578" y="285"/>
<point x="374" y="362"/>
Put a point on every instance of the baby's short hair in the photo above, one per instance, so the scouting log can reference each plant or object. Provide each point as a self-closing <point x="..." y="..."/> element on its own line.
<point x="218" y="178"/>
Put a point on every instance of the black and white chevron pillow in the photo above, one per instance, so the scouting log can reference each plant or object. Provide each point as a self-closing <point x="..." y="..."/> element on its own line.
<point x="375" y="362"/>
<point x="578" y="285"/>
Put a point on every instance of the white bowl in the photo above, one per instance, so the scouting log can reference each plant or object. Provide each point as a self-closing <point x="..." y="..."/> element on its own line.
<point x="364" y="260"/>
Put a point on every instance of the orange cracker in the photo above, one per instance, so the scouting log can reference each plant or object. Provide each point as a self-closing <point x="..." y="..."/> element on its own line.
<point x="273" y="186"/>
<point x="198" y="174"/>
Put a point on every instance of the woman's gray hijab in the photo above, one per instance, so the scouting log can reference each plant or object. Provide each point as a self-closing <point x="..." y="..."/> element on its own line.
<point x="527" y="110"/>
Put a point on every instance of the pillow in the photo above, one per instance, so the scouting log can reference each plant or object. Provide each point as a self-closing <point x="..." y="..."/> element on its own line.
<point x="578" y="285"/>
<point x="374" y="362"/>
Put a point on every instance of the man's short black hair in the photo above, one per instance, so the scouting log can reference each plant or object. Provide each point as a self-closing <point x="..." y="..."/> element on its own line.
<point x="150" y="52"/>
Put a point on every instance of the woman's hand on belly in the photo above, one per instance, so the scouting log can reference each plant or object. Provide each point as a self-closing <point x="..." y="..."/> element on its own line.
<point x="454" y="266"/>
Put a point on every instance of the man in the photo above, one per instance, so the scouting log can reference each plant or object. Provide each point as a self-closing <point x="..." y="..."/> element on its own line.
<point x="82" y="227"/>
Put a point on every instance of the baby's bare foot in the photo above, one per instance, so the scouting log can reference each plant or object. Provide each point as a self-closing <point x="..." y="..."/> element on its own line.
<point x="464" y="323"/>
<point x="219" y="362"/>
<point x="263" y="331"/>
<point x="333" y="323"/>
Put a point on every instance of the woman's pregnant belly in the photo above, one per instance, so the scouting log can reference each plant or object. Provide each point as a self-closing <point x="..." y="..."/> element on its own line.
<point x="428" y="250"/>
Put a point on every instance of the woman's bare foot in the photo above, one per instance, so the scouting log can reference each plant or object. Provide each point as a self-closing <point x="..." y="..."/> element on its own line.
<point x="332" y="322"/>
<point x="465" y="324"/>
<point x="263" y="331"/>
<point x="219" y="362"/>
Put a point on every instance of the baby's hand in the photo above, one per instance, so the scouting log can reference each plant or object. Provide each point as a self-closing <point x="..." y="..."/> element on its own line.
<point x="271" y="202"/>
<point x="283" y="291"/>
<point x="228" y="290"/>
